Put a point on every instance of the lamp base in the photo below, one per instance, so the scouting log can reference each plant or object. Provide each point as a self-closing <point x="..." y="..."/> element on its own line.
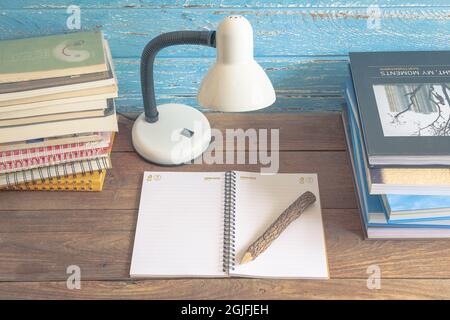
<point x="181" y="134"/>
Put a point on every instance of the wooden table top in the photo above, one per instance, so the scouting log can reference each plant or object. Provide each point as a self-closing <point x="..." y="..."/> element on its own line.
<point x="42" y="233"/>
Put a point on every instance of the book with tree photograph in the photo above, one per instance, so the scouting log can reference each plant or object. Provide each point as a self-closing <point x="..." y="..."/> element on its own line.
<point x="403" y="101"/>
<point x="415" y="109"/>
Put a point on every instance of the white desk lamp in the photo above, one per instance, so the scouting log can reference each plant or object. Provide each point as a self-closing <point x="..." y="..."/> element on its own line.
<point x="173" y="134"/>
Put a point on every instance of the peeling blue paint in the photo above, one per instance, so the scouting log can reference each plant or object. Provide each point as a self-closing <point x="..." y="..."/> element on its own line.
<point x="303" y="45"/>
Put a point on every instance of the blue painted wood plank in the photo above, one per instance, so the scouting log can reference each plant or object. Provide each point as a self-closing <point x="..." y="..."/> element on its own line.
<point x="283" y="104"/>
<point x="301" y="44"/>
<point x="300" y="84"/>
<point x="291" y="76"/>
<point x="287" y="32"/>
<point x="43" y="4"/>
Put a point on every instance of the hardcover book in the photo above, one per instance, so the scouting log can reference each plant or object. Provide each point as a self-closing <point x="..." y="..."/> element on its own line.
<point x="398" y="180"/>
<point x="404" y="106"/>
<point x="396" y="207"/>
<point x="374" y="215"/>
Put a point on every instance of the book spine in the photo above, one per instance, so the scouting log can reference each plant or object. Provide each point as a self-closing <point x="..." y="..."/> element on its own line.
<point x="58" y="171"/>
<point x="229" y="250"/>
<point x="50" y="159"/>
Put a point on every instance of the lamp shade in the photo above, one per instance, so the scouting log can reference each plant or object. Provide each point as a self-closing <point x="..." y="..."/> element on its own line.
<point x="236" y="82"/>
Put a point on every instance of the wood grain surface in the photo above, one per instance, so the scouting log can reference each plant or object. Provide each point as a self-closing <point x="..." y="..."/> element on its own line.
<point x="42" y="233"/>
<point x="231" y="289"/>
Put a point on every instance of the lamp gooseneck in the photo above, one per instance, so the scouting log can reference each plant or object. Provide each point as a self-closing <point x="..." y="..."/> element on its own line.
<point x="205" y="38"/>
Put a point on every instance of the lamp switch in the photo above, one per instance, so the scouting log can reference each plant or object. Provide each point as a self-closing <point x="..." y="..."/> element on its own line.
<point x="187" y="133"/>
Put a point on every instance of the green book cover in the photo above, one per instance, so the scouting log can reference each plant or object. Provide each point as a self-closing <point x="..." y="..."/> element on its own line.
<point x="56" y="52"/>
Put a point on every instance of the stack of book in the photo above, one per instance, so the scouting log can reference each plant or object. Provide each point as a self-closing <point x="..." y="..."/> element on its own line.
<point x="57" y="114"/>
<point x="397" y="124"/>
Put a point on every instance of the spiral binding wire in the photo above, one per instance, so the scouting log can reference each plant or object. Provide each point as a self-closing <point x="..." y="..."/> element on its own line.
<point x="17" y="163"/>
<point x="61" y="171"/>
<point x="229" y="222"/>
<point x="39" y="152"/>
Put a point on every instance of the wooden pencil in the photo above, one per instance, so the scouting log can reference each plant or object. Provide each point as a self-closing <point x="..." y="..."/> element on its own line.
<point x="278" y="226"/>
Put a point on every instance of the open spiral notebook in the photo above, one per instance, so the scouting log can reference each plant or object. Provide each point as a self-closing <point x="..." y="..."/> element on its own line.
<point x="199" y="224"/>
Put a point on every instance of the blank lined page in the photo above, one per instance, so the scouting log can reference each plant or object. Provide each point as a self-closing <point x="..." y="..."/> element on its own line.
<point x="299" y="252"/>
<point x="179" y="231"/>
